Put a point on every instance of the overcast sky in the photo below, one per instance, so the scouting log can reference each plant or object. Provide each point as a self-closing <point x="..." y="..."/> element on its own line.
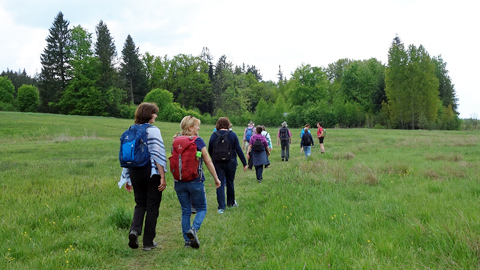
<point x="261" y="33"/>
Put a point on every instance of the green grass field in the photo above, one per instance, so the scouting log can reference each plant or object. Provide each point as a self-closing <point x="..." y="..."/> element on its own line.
<point x="378" y="199"/>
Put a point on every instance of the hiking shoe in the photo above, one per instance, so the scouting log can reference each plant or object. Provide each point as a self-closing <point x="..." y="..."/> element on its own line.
<point x="188" y="244"/>
<point x="133" y="239"/>
<point x="147" y="248"/>
<point x="192" y="235"/>
<point x="220" y="211"/>
<point x="194" y="210"/>
<point x="259" y="180"/>
<point x="283" y="159"/>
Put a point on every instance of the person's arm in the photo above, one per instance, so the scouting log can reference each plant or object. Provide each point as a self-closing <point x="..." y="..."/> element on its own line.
<point x="278" y="137"/>
<point x="211" y="168"/>
<point x="248" y="151"/>
<point x="238" y="150"/>
<point x="163" y="183"/>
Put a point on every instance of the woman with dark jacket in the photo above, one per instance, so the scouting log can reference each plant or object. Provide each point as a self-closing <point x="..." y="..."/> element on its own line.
<point x="307" y="142"/>
<point x="259" y="152"/>
<point x="226" y="168"/>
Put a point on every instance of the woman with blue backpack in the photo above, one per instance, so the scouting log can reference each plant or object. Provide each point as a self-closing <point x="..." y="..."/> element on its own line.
<point x="144" y="174"/>
<point x="258" y="152"/>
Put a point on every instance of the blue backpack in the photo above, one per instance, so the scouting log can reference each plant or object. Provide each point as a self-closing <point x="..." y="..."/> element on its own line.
<point x="134" y="147"/>
<point x="248" y="135"/>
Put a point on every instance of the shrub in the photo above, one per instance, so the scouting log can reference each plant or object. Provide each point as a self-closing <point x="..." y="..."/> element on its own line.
<point x="28" y="98"/>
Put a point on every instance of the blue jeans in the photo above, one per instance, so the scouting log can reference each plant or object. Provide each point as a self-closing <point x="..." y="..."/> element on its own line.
<point x="188" y="193"/>
<point x="226" y="174"/>
<point x="307" y="150"/>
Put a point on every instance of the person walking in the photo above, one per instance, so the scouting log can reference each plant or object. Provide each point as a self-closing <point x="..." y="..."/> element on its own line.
<point x="247" y="134"/>
<point x="303" y="130"/>
<point x="258" y="152"/>
<point x="285" y="137"/>
<point x="193" y="191"/>
<point x="225" y="166"/>
<point x="269" y="141"/>
<point x="306" y="143"/>
<point x="147" y="182"/>
<point x="321" y="137"/>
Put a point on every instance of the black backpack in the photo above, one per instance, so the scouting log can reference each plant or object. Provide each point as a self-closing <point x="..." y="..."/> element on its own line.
<point x="222" y="148"/>
<point x="307" y="139"/>
<point x="258" y="146"/>
<point x="284" y="134"/>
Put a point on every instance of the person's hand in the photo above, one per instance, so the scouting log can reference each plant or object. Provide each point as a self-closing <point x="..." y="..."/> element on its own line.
<point x="245" y="168"/>
<point x="218" y="183"/>
<point x="163" y="185"/>
<point x="128" y="187"/>
<point x="301" y="150"/>
<point x="248" y="156"/>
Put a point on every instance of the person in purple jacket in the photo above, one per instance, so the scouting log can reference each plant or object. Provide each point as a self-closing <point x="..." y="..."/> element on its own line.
<point x="259" y="152"/>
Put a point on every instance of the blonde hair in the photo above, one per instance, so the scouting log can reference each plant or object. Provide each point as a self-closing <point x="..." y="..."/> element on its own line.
<point x="188" y="121"/>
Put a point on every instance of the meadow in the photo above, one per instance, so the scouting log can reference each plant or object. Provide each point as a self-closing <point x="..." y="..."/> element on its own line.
<point x="377" y="199"/>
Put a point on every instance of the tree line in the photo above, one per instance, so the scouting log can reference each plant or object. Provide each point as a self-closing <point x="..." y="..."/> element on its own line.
<point x="86" y="77"/>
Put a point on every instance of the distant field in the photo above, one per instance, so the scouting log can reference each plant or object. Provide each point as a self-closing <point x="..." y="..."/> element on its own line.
<point x="378" y="199"/>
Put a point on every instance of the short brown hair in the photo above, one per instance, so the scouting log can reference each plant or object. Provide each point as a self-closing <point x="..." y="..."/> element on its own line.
<point x="223" y="123"/>
<point x="259" y="129"/>
<point x="144" y="112"/>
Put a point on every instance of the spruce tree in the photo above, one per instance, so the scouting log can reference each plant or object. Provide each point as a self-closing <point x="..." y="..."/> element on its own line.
<point x="55" y="65"/>
<point x="106" y="53"/>
<point x="133" y="72"/>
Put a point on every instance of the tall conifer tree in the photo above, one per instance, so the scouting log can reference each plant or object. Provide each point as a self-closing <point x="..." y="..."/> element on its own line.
<point x="106" y="53"/>
<point x="133" y="72"/>
<point x="55" y="65"/>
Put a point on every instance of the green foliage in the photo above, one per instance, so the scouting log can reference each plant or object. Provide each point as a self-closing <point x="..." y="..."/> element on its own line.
<point x="133" y="72"/>
<point x="7" y="90"/>
<point x="106" y="53"/>
<point x="55" y="60"/>
<point x="411" y="86"/>
<point x="28" y="98"/>
<point x="308" y="84"/>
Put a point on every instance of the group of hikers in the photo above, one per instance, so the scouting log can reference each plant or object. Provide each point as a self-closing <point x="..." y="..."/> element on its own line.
<point x="189" y="153"/>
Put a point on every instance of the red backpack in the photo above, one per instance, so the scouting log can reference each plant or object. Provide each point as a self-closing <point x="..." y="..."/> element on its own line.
<point x="184" y="163"/>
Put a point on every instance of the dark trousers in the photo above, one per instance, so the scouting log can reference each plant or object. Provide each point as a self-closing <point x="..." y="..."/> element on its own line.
<point x="259" y="172"/>
<point x="147" y="199"/>
<point x="226" y="174"/>
<point x="285" y="149"/>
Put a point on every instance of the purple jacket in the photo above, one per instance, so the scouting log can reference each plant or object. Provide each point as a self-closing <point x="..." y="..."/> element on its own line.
<point x="259" y="137"/>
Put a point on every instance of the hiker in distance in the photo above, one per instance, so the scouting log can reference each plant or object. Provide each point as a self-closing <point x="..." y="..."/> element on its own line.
<point x="306" y="143"/>
<point x="269" y="141"/>
<point x="321" y="136"/>
<point x="258" y="152"/>
<point x="148" y="181"/>
<point x="247" y="134"/>
<point x="303" y="130"/>
<point x="224" y="148"/>
<point x="191" y="190"/>
<point x="285" y="137"/>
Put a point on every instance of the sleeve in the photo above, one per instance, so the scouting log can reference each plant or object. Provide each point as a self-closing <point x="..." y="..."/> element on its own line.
<point x="200" y="143"/>
<point x="237" y="148"/>
<point x="210" y="143"/>
<point x="264" y="141"/>
<point x="156" y="147"/>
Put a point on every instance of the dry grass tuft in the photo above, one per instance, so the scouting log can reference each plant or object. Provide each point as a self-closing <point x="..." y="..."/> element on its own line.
<point x="347" y="156"/>
<point x="433" y="175"/>
<point x="453" y="157"/>
<point x="365" y="174"/>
